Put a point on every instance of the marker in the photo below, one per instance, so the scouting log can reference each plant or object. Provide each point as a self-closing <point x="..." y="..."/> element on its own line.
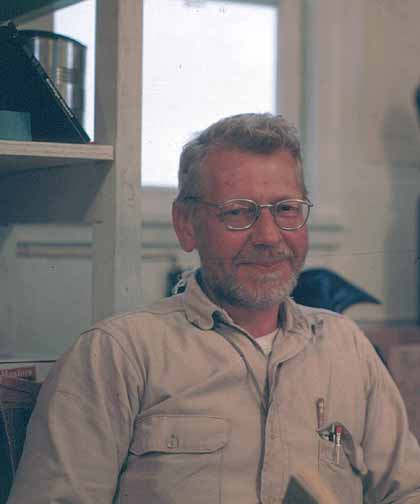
<point x="338" y="430"/>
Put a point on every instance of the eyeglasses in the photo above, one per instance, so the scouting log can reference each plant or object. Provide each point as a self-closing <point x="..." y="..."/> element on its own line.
<point x="241" y="214"/>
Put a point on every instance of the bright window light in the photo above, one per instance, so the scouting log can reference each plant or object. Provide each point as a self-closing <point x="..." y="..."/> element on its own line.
<point x="203" y="60"/>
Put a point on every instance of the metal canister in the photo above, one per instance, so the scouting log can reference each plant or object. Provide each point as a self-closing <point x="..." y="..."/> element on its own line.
<point x="64" y="60"/>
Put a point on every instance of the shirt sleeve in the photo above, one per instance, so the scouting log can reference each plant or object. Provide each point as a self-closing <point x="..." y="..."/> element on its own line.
<point x="80" y="430"/>
<point x="391" y="452"/>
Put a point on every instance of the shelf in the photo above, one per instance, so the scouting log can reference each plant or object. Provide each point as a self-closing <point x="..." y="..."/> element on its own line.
<point x="49" y="182"/>
<point x="19" y="156"/>
<point x="24" y="10"/>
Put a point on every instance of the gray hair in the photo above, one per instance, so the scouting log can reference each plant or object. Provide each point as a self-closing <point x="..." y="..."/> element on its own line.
<point x="256" y="133"/>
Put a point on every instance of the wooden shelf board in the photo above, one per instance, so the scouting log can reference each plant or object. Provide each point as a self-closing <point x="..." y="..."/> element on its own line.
<point x="24" y="10"/>
<point x="17" y="156"/>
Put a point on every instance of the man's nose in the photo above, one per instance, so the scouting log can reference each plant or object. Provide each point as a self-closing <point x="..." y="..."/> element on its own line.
<point x="265" y="231"/>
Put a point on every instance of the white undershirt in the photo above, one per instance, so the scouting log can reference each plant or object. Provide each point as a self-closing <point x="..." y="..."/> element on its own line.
<point x="266" y="342"/>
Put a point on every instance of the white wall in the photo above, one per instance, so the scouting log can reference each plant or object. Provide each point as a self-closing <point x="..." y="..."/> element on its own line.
<point x="374" y="178"/>
<point x="45" y="273"/>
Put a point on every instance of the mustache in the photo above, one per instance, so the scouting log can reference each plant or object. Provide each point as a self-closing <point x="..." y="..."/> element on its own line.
<point x="264" y="256"/>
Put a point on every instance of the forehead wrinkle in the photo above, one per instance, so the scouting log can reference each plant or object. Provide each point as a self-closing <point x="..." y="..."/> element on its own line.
<point x="222" y="172"/>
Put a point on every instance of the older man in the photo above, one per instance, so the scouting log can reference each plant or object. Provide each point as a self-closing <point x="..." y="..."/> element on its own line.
<point x="228" y="391"/>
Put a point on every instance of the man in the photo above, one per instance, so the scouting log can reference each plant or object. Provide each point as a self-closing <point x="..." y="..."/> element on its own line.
<point x="228" y="391"/>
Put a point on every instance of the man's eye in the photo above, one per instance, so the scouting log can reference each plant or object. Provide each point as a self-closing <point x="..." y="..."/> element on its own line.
<point x="234" y="212"/>
<point x="288" y="208"/>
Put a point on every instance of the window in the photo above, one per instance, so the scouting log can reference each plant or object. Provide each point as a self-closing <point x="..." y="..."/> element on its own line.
<point x="203" y="59"/>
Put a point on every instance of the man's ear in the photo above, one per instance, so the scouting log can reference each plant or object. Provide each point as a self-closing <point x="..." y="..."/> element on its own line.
<point x="182" y="222"/>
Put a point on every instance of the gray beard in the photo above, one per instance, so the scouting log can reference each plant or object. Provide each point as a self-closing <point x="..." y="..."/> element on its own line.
<point x="270" y="290"/>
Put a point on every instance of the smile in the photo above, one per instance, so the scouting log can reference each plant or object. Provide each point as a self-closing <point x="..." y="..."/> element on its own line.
<point x="265" y="265"/>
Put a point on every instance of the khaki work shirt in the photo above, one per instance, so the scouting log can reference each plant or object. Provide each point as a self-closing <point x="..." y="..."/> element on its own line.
<point x="176" y="404"/>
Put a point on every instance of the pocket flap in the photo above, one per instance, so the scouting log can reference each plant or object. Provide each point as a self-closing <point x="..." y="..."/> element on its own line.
<point x="179" y="434"/>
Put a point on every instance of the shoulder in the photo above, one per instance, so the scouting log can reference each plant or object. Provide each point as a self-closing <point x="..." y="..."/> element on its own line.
<point x="135" y="333"/>
<point x="123" y="343"/>
<point x="329" y="320"/>
<point x="152" y="317"/>
<point x="343" y="339"/>
<point x="337" y="330"/>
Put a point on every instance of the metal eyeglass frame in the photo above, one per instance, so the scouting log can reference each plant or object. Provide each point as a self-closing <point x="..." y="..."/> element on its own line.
<point x="258" y="207"/>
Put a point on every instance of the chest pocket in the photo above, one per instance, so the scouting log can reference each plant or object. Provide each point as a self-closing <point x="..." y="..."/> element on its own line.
<point x="345" y="473"/>
<point x="174" y="457"/>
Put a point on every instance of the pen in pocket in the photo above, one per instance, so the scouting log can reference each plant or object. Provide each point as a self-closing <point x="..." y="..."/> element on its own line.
<point x="338" y="429"/>
<point x="320" y="412"/>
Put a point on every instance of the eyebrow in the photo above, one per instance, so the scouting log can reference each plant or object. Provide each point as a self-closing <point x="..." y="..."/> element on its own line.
<point x="271" y="200"/>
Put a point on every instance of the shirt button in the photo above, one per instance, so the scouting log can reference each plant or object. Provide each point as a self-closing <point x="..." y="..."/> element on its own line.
<point x="173" y="442"/>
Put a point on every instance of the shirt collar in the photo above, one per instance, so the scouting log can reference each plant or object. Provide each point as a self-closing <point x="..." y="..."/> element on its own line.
<point x="292" y="317"/>
<point x="203" y="313"/>
<point x="199" y="309"/>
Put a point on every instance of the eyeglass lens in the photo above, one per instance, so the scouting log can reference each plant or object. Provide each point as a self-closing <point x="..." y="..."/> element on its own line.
<point x="241" y="214"/>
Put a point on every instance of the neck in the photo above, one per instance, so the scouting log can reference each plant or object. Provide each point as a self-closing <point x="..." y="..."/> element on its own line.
<point x="256" y="322"/>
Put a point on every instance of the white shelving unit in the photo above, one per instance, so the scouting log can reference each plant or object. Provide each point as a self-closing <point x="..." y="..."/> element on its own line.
<point x="98" y="183"/>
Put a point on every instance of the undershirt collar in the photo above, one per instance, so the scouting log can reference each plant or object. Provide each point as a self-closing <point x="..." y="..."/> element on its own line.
<point x="266" y="342"/>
